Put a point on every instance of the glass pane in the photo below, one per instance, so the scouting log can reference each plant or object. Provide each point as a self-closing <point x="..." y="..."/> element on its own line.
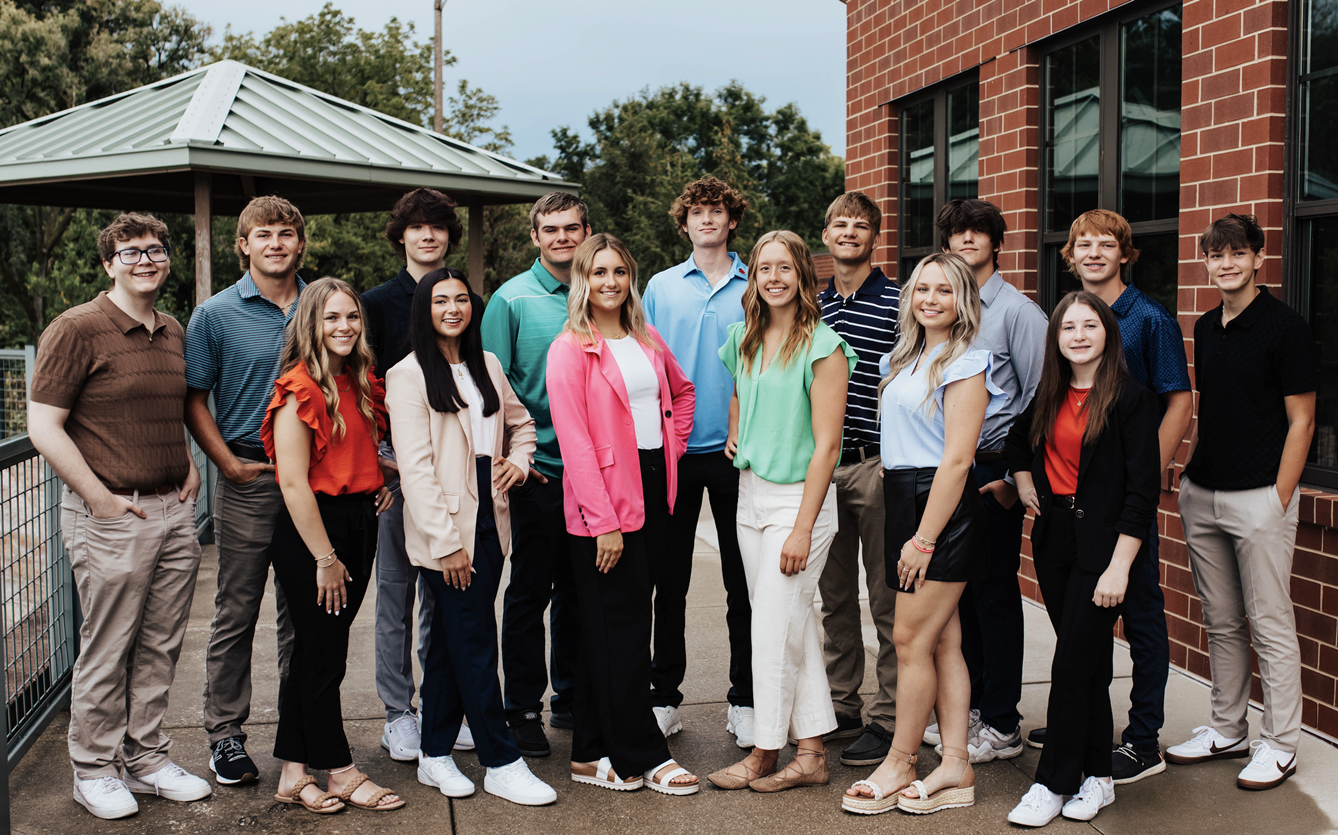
<point x="917" y="171"/>
<point x="1065" y="281"/>
<point x="964" y="141"/>
<point x="908" y="263"/>
<point x="1319" y="126"/>
<point x="1150" y="117"/>
<point x="1073" y="113"/>
<point x="1320" y="43"/>
<point x="1323" y="279"/>
<point x="1156" y="272"/>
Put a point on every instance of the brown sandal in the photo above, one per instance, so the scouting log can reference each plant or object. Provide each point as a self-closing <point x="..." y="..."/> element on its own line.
<point x="949" y="797"/>
<point x="373" y="803"/>
<point x="731" y="782"/>
<point x="295" y="796"/>
<point x="781" y="781"/>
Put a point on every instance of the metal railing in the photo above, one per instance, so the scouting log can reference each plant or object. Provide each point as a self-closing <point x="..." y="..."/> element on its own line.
<point x="16" y="369"/>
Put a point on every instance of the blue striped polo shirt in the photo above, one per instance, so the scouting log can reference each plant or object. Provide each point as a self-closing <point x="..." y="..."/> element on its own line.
<point x="867" y="321"/>
<point x="233" y="344"/>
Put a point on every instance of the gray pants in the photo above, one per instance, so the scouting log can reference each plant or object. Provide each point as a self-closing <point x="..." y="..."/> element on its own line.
<point x="135" y="579"/>
<point x="860" y="514"/>
<point x="244" y="518"/>
<point x="396" y="579"/>
<point x="1240" y="550"/>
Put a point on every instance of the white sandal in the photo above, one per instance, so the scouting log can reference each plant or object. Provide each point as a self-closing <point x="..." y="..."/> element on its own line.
<point x="606" y="778"/>
<point x="664" y="784"/>
<point x="875" y="805"/>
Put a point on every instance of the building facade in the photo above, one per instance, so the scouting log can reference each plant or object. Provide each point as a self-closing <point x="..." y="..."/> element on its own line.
<point x="1171" y="113"/>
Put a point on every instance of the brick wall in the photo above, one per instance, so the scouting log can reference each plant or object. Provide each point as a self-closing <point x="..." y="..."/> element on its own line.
<point x="1232" y="153"/>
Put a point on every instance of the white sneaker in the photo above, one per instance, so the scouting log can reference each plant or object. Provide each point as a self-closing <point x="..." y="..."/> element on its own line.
<point x="172" y="782"/>
<point x="105" y="797"/>
<point x="1207" y="744"/>
<point x="1268" y="768"/>
<point x="988" y="744"/>
<point x="740" y="723"/>
<point x="1094" y="795"/>
<point x="442" y="773"/>
<point x="1038" y="807"/>
<point x="933" y="737"/>
<point x="516" y="783"/>
<point x="401" y="738"/>
<point x="669" y="720"/>
<point x="464" y="741"/>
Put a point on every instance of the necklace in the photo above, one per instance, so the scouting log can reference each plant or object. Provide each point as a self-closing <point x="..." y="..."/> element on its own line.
<point x="339" y="383"/>
<point x="1079" y="395"/>
<point x="459" y="369"/>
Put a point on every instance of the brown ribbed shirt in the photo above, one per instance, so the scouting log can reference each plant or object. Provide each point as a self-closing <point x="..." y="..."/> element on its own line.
<point x="125" y="388"/>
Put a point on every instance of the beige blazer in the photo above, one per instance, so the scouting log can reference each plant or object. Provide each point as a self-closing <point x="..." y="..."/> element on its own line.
<point x="435" y="453"/>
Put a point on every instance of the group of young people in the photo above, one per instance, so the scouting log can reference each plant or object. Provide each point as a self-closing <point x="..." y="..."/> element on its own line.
<point x="413" y="437"/>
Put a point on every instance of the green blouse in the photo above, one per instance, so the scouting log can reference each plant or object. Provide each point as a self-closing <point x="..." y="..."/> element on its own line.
<point x="775" y="415"/>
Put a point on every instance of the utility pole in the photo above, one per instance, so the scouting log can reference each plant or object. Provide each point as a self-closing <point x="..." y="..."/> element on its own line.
<point x="438" y="122"/>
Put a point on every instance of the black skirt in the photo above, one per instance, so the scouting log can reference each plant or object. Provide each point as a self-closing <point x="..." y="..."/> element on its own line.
<point x="959" y="552"/>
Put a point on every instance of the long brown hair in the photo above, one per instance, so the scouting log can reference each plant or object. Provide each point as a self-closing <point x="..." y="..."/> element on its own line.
<point x="305" y="343"/>
<point x="1057" y="374"/>
<point x="579" y="321"/>
<point x="757" y="313"/>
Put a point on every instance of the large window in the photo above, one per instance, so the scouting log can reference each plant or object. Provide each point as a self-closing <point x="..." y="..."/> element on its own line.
<point x="1111" y="124"/>
<point x="940" y="151"/>
<point x="1313" y="209"/>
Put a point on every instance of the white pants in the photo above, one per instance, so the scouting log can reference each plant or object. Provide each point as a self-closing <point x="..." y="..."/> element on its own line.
<point x="790" y="694"/>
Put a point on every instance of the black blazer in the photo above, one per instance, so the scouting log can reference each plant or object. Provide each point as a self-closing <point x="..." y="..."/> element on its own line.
<point x="1118" y="485"/>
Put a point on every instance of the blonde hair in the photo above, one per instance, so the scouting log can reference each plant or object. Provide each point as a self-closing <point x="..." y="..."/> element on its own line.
<point x="305" y="343"/>
<point x="757" y="313"/>
<point x="579" y="322"/>
<point x="966" y="301"/>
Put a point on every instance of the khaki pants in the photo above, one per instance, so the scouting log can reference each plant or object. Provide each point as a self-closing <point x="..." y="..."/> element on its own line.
<point x="135" y="578"/>
<point x="1240" y="550"/>
<point x="859" y="510"/>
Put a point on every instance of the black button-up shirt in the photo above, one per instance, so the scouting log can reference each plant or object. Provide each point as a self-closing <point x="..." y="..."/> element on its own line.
<point x="1244" y="371"/>
<point x="387" y="323"/>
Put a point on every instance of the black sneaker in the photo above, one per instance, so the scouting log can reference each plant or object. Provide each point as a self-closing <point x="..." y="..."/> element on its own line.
<point x="528" y="729"/>
<point x="230" y="763"/>
<point x="870" y="749"/>
<point x="1129" y="765"/>
<point x="562" y="720"/>
<point x="1036" y="739"/>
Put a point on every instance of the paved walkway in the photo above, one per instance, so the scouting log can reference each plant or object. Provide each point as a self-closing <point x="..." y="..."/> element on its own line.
<point x="1183" y="800"/>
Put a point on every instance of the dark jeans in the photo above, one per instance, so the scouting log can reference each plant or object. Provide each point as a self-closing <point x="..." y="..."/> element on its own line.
<point x="672" y="574"/>
<point x="1144" y="613"/>
<point x="311" y="725"/>
<point x="613" y="708"/>
<point x="1078" y="720"/>
<point x="460" y="676"/>
<point x="991" y="613"/>
<point x="540" y="575"/>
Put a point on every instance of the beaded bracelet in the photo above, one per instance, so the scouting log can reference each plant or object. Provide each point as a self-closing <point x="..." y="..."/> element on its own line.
<point x="918" y="547"/>
<point x="923" y="544"/>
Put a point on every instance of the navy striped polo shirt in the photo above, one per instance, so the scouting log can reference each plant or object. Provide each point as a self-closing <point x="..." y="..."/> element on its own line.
<point x="867" y="321"/>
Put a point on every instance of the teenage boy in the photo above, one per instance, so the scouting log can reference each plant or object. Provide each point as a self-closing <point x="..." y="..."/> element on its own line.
<point x="423" y="229"/>
<point x="523" y="317"/>
<point x="1255" y="368"/>
<point x="108" y="391"/>
<point x="860" y="304"/>
<point x="1012" y="327"/>
<point x="692" y="305"/>
<point x="1099" y="251"/>
<point x="232" y="352"/>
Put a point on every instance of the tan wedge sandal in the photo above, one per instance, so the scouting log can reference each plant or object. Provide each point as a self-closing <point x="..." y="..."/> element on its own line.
<point x="880" y="802"/>
<point x="949" y="797"/>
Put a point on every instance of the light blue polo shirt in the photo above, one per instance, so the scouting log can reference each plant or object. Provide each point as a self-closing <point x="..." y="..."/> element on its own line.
<point x="233" y="344"/>
<point x="694" y="319"/>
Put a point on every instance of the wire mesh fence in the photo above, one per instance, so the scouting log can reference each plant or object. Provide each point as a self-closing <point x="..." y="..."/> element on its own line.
<point x="15" y="369"/>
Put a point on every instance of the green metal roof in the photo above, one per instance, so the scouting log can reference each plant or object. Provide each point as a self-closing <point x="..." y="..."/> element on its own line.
<point x="256" y="133"/>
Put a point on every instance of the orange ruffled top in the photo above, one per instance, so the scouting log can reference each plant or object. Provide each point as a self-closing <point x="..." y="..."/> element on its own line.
<point x="338" y="466"/>
<point x="1063" y="446"/>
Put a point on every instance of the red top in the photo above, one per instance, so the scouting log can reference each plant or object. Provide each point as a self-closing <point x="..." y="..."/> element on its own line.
<point x="1063" y="445"/>
<point x="338" y="465"/>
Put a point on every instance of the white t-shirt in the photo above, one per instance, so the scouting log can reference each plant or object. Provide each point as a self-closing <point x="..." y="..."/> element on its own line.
<point x="643" y="390"/>
<point x="483" y="428"/>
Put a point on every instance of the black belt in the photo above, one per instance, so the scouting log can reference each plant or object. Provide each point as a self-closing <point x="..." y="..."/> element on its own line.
<point x="858" y="455"/>
<point x="246" y="452"/>
<point x="1064" y="502"/>
<point x="989" y="456"/>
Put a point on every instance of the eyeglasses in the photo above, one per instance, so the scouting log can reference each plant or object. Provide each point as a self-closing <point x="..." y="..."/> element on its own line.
<point x="132" y="255"/>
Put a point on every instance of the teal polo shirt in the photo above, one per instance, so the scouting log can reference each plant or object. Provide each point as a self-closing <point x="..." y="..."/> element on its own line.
<point x="522" y="319"/>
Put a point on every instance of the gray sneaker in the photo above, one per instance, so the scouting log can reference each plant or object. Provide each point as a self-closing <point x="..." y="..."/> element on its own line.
<point x="988" y="744"/>
<point x="933" y="737"/>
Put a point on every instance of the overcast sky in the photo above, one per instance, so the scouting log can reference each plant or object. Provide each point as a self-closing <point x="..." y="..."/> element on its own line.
<point x="554" y="62"/>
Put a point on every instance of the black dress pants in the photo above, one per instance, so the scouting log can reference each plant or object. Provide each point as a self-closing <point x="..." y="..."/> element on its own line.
<point x="612" y="706"/>
<point x="311" y="724"/>
<point x="1079" y="725"/>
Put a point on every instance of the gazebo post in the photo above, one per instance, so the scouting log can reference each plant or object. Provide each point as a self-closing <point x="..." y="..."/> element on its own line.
<point x="476" y="244"/>
<point x="204" y="239"/>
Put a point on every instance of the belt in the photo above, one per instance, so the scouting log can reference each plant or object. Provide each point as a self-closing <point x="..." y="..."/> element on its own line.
<point x="246" y="452"/>
<point x="989" y="456"/>
<point x="1064" y="502"/>
<point x="160" y="490"/>
<point x="858" y="455"/>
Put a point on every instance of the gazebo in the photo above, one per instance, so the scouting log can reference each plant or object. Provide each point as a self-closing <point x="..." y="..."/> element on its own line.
<point x="209" y="140"/>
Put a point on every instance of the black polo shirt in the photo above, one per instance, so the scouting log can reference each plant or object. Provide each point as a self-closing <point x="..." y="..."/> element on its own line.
<point x="1243" y="372"/>
<point x="387" y="324"/>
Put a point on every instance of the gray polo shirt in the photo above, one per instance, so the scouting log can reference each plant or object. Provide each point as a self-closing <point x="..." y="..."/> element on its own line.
<point x="1012" y="327"/>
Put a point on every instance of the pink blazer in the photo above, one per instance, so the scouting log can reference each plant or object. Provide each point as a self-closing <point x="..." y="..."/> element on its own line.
<point x="601" y="469"/>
